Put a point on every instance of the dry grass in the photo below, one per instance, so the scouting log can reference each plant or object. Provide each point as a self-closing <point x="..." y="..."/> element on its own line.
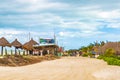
<point x="18" y="60"/>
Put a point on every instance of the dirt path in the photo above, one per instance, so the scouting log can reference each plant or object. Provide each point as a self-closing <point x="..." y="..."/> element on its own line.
<point x="67" y="68"/>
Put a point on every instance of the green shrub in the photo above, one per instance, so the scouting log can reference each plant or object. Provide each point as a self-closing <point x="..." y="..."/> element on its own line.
<point x="100" y="57"/>
<point x="85" y="54"/>
<point x="111" y="60"/>
<point x="118" y="57"/>
<point x="90" y="54"/>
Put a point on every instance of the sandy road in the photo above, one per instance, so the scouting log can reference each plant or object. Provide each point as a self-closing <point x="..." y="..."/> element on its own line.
<point x="67" y="68"/>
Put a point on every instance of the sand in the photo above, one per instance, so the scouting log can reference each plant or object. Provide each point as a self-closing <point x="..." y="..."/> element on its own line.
<point x="66" y="68"/>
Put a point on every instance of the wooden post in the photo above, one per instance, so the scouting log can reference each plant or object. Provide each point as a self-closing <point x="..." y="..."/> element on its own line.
<point x="5" y="51"/>
<point x="23" y="53"/>
<point x="19" y="52"/>
<point x="26" y="52"/>
<point x="11" y="52"/>
<point x="41" y="53"/>
<point x="2" y="50"/>
<point x="48" y="52"/>
<point x="15" y="51"/>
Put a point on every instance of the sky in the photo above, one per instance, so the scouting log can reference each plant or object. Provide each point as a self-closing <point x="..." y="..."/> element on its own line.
<point x="75" y="23"/>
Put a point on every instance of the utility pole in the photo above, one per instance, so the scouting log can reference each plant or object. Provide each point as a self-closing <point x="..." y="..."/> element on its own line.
<point x="29" y="36"/>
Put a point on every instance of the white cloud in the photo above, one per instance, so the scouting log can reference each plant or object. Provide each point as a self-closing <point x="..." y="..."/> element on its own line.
<point x="98" y="11"/>
<point x="10" y="31"/>
<point x="113" y="23"/>
<point x="31" y="5"/>
<point x="109" y="14"/>
<point x="82" y="26"/>
<point x="83" y="34"/>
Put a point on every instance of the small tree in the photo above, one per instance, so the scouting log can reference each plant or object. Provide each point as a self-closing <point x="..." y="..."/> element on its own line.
<point x="84" y="49"/>
<point x="90" y="46"/>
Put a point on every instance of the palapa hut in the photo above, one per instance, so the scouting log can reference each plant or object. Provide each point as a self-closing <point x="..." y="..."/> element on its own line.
<point x="16" y="44"/>
<point x="29" y="46"/>
<point x="3" y="43"/>
<point x="111" y="45"/>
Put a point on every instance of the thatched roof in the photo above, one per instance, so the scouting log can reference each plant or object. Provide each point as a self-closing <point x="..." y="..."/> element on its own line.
<point x="29" y="45"/>
<point x="33" y="42"/>
<point x="16" y="44"/>
<point x="112" y="45"/>
<point x="4" y="42"/>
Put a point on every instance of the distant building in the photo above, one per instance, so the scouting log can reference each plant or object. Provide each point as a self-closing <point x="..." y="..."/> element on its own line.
<point x="46" y="49"/>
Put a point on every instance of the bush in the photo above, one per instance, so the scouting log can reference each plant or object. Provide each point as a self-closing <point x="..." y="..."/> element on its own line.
<point x="85" y="54"/>
<point x="100" y="57"/>
<point x="90" y="54"/>
<point x="111" y="60"/>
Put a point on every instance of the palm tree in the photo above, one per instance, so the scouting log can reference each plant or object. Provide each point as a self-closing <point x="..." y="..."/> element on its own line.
<point x="90" y="46"/>
<point x="102" y="43"/>
<point x="84" y="49"/>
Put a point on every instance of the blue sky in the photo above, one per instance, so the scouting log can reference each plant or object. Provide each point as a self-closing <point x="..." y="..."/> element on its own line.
<point x="75" y="22"/>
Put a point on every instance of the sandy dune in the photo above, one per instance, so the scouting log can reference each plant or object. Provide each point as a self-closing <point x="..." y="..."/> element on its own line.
<point x="67" y="68"/>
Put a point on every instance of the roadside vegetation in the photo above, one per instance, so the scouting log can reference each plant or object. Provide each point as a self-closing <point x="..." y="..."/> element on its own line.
<point x="110" y="57"/>
<point x="107" y="51"/>
<point x="91" y="49"/>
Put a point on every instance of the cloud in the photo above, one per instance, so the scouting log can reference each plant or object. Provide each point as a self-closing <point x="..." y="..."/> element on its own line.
<point x="80" y="25"/>
<point x="83" y="34"/>
<point x="10" y="31"/>
<point x="30" y="6"/>
<point x="109" y="14"/>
